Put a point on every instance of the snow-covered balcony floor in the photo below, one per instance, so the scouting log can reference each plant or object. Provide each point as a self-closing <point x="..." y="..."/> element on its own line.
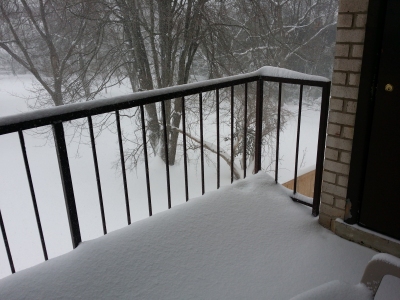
<point x="245" y="241"/>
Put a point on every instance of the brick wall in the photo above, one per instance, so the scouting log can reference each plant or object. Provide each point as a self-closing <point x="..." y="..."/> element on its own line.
<point x="351" y="22"/>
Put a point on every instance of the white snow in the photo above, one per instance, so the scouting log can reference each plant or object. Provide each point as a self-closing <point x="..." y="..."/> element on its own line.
<point x="245" y="241"/>
<point x="285" y="73"/>
<point x="337" y="290"/>
<point x="388" y="258"/>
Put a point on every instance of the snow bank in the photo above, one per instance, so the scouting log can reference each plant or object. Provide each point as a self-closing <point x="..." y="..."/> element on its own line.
<point x="244" y="241"/>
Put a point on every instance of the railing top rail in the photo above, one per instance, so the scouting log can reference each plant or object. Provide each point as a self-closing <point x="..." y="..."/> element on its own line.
<point x="73" y="111"/>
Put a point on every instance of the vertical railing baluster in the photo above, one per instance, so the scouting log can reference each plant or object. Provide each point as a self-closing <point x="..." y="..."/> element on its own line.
<point x="96" y="169"/>
<point x="245" y="132"/>
<point x="259" y="122"/>
<point x="32" y="190"/>
<point x="65" y="172"/>
<point x="121" y="153"/>
<point x="146" y="160"/>
<point x="298" y="140"/>
<point x="218" y="145"/>
<point x="185" y="149"/>
<point x="166" y="152"/>
<point x="323" y="120"/>
<point x="201" y="143"/>
<point x="278" y="130"/>
<point x="232" y="131"/>
<point x="6" y="245"/>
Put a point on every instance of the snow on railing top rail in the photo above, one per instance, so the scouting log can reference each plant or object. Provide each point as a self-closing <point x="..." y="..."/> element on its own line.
<point x="48" y="116"/>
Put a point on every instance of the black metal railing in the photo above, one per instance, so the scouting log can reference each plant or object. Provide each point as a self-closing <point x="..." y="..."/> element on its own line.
<point x="57" y="115"/>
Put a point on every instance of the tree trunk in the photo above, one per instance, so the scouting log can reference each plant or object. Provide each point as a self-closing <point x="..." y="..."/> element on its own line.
<point x="144" y="74"/>
<point x="191" y="36"/>
<point x="175" y="123"/>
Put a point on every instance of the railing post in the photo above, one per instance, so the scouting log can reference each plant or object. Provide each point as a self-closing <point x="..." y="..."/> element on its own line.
<point x="323" y="120"/>
<point x="218" y="143"/>
<point x="65" y="174"/>
<point x="296" y="164"/>
<point x="259" y="116"/>
<point x="232" y="130"/>
<point x="31" y="188"/>
<point x="121" y="154"/>
<point x="6" y="245"/>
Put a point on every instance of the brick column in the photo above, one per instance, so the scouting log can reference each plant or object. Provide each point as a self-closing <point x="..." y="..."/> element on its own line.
<point x="345" y="81"/>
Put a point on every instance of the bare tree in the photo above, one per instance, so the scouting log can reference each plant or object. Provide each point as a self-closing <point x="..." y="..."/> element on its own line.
<point x="166" y="42"/>
<point x="56" y="45"/>
<point x="158" y="42"/>
<point x="249" y="34"/>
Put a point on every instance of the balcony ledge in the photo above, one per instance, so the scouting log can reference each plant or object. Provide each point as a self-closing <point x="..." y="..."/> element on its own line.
<point x="368" y="238"/>
<point x="244" y="241"/>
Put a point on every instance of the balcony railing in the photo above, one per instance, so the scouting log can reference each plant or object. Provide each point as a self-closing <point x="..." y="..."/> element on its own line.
<point x="57" y="115"/>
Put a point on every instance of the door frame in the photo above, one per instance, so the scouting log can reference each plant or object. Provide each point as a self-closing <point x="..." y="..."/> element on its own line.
<point x="365" y="108"/>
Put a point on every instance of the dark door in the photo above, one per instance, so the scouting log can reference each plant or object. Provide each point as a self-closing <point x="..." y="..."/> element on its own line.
<point x="380" y="208"/>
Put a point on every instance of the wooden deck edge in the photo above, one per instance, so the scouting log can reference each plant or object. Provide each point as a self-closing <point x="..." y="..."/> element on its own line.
<point x="305" y="183"/>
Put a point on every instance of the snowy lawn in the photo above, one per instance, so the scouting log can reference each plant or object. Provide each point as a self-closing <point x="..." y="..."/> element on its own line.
<point x="244" y="241"/>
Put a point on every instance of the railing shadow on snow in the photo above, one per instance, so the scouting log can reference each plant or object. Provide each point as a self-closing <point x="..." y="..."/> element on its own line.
<point x="57" y="115"/>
